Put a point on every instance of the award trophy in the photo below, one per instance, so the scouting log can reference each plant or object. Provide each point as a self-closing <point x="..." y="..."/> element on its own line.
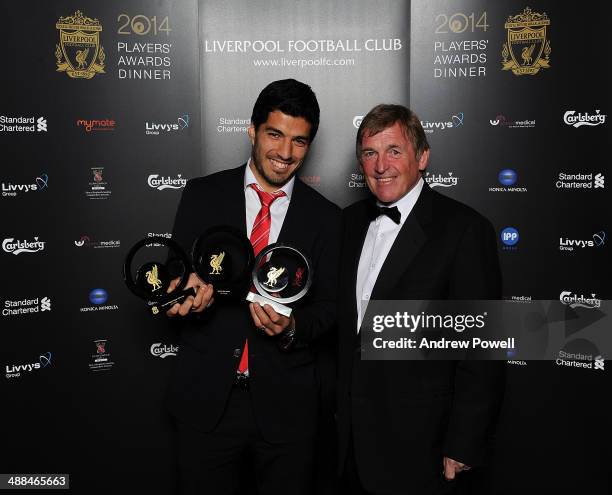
<point x="223" y="256"/>
<point x="281" y="275"/>
<point x="152" y="278"/>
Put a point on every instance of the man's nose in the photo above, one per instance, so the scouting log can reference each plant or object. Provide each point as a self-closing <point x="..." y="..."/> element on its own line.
<point x="381" y="164"/>
<point x="285" y="150"/>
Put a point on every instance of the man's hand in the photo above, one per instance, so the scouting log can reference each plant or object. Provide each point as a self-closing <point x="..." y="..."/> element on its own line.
<point x="452" y="467"/>
<point x="197" y="304"/>
<point x="268" y="320"/>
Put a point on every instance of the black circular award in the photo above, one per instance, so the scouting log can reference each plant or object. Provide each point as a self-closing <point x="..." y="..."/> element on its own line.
<point x="223" y="256"/>
<point x="150" y="281"/>
<point x="281" y="275"/>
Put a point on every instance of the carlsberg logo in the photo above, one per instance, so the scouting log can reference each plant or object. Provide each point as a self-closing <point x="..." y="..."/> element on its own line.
<point x="570" y="118"/>
<point x="161" y="183"/>
<point x="163" y="351"/>
<point x="12" y="246"/>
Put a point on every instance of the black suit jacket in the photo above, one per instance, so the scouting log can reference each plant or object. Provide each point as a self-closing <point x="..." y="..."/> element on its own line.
<point x="285" y="385"/>
<point x="406" y="415"/>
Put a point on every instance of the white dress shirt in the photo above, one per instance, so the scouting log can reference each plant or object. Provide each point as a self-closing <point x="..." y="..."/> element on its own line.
<point x="278" y="208"/>
<point x="378" y="242"/>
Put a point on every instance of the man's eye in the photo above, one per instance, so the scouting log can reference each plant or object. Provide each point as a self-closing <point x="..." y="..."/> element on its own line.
<point x="395" y="152"/>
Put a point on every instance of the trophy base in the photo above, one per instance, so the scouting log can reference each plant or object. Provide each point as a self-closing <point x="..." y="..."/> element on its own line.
<point x="279" y="308"/>
<point x="165" y="304"/>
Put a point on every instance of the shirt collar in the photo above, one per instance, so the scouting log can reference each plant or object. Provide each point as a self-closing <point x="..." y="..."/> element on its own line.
<point x="249" y="178"/>
<point x="407" y="202"/>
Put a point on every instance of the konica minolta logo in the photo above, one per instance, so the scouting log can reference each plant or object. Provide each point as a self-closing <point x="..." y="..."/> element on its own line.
<point x="160" y="183"/>
<point x="13" y="246"/>
<point x="579" y="119"/>
<point x="574" y="300"/>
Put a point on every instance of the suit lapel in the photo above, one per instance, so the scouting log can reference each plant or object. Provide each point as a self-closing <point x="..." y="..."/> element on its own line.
<point x="293" y="224"/>
<point x="234" y="205"/>
<point x="408" y="243"/>
<point x="353" y="244"/>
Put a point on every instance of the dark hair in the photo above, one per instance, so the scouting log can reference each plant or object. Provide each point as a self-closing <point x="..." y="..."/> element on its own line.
<point x="383" y="116"/>
<point x="290" y="97"/>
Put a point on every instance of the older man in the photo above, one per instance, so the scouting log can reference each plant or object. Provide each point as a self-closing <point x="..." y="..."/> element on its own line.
<point x="410" y="427"/>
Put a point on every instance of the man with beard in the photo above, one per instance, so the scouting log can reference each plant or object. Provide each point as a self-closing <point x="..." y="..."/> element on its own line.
<point x="247" y="384"/>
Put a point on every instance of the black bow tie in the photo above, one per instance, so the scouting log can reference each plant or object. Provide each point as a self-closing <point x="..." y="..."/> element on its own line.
<point x="393" y="213"/>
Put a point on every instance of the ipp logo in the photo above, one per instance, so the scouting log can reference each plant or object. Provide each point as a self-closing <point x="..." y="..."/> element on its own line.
<point x="98" y="296"/>
<point x="507" y="177"/>
<point x="509" y="236"/>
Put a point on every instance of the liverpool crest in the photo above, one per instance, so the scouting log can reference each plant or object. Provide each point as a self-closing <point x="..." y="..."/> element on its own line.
<point x="526" y="50"/>
<point x="79" y="52"/>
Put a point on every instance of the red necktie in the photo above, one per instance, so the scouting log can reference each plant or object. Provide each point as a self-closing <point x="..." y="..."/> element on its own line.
<point x="260" y="234"/>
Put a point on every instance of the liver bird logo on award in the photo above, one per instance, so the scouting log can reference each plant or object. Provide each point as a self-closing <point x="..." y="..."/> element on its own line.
<point x="527" y="50"/>
<point x="79" y="52"/>
<point x="216" y="261"/>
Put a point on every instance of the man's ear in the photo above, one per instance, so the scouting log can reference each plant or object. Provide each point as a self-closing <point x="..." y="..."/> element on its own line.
<point x="424" y="160"/>
<point x="251" y="132"/>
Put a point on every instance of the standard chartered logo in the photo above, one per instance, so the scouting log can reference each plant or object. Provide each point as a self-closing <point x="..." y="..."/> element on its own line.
<point x="599" y="181"/>
<point x="41" y="124"/>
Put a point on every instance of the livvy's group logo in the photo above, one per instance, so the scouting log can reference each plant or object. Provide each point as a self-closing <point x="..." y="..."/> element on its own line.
<point x="156" y="128"/>
<point x="40" y="183"/>
<point x="429" y="126"/>
<point x="15" y="370"/>
<point x="79" y="52"/>
<point x="527" y="49"/>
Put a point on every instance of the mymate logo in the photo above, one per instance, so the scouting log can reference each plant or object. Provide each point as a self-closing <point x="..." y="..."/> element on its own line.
<point x="15" y="370"/>
<point x="79" y="52"/>
<point x="156" y="128"/>
<point x="527" y="49"/>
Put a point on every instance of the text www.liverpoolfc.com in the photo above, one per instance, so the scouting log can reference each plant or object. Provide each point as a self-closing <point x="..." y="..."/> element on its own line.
<point x="303" y="62"/>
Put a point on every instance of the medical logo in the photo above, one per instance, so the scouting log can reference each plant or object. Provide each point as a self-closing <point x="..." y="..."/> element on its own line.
<point x="526" y="50"/>
<point x="79" y="52"/>
<point x="509" y="236"/>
